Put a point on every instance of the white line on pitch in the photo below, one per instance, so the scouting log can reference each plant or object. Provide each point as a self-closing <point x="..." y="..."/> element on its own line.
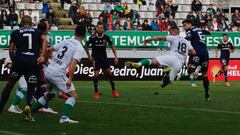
<point x="9" y="133"/>
<point x="163" y="107"/>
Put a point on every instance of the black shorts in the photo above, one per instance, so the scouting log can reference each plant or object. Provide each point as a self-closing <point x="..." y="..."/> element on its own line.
<point x="224" y="61"/>
<point x="101" y="64"/>
<point x="29" y="71"/>
<point x="202" y="61"/>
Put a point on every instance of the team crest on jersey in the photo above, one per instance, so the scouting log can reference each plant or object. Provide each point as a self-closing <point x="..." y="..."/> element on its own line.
<point x="14" y="75"/>
<point x="32" y="79"/>
<point x="196" y="59"/>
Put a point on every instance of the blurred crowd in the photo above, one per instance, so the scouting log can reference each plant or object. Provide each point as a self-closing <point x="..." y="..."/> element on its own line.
<point x="117" y="15"/>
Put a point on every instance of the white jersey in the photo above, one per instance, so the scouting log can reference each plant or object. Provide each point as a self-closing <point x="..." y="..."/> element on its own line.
<point x="179" y="47"/>
<point x="65" y="51"/>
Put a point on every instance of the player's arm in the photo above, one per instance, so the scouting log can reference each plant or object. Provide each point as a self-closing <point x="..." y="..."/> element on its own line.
<point x="11" y="50"/>
<point x="192" y="52"/>
<point x="155" y="39"/>
<point x="206" y="32"/>
<point x="216" y="50"/>
<point x="114" y="50"/>
<point x="231" y="47"/>
<point x="41" y="59"/>
<point x="86" y="47"/>
<point x="72" y="69"/>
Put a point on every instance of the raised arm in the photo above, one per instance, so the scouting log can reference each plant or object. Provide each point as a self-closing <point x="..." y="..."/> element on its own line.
<point x="155" y="39"/>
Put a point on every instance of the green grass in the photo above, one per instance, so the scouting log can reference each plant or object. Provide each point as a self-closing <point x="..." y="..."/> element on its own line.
<point x="143" y="109"/>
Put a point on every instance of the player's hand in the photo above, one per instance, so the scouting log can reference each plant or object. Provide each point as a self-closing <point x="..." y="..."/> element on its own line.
<point x="69" y="83"/>
<point x="145" y="42"/>
<point x="40" y="60"/>
<point x="116" y="61"/>
<point x="90" y="59"/>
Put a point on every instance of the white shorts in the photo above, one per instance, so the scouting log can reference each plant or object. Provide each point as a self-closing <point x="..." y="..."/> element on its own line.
<point x="171" y="61"/>
<point x="22" y="83"/>
<point x="58" y="81"/>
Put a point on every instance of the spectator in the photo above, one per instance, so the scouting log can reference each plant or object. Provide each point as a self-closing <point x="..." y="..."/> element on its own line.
<point x="211" y="10"/>
<point x="163" y="25"/>
<point x="1" y="23"/>
<point x="51" y="17"/>
<point x="201" y="19"/>
<point x="45" y="8"/>
<point x="118" y="26"/>
<point x="215" y="25"/>
<point x="160" y="12"/>
<point x="160" y="3"/>
<point x="105" y="15"/>
<point x="224" y="25"/>
<point x="67" y="1"/>
<point x="138" y="23"/>
<point x="20" y="16"/>
<point x="229" y="28"/>
<point x="150" y="4"/>
<point x="172" y="23"/>
<point x="133" y="15"/>
<point x="196" y="6"/>
<point x="146" y="26"/>
<point x="238" y="29"/>
<point x="236" y="18"/>
<point x="87" y="18"/>
<point x="107" y="7"/>
<point x="114" y="17"/>
<point x="111" y="26"/>
<point x="220" y="9"/>
<point x="72" y="12"/>
<point x="154" y="24"/>
<point x="33" y="15"/>
<point x="4" y="17"/>
<point x="172" y="8"/>
<point x="128" y="24"/>
<point x="101" y="21"/>
<point x="190" y="16"/>
<point x="127" y="10"/>
<point x="218" y="16"/>
<point x="119" y="9"/>
<point x="208" y="19"/>
<point x="12" y="19"/>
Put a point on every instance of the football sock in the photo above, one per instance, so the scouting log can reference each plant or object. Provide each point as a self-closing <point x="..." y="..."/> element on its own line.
<point x="225" y="76"/>
<point x="112" y="82"/>
<point x="21" y="93"/>
<point x="206" y="85"/>
<point x="69" y="104"/>
<point x="95" y="83"/>
<point x="219" y="73"/>
<point x="5" y="95"/>
<point x="41" y="103"/>
<point x="192" y="79"/>
<point x="145" y="62"/>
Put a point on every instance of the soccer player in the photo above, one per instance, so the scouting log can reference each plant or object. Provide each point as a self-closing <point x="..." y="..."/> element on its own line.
<point x="26" y="59"/>
<point x="22" y="90"/>
<point x="174" y="59"/>
<point x="226" y="48"/>
<point x="99" y="58"/>
<point x="196" y="37"/>
<point x="68" y="53"/>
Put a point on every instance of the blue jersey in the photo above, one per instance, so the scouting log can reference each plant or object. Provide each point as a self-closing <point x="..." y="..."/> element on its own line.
<point x="28" y="42"/>
<point x="196" y="37"/>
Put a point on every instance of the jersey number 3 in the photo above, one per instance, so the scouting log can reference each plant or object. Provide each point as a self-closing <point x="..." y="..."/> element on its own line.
<point x="182" y="47"/>
<point x="61" y="55"/>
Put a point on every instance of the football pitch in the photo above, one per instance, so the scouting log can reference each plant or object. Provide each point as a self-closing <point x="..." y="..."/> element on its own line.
<point x="143" y="108"/>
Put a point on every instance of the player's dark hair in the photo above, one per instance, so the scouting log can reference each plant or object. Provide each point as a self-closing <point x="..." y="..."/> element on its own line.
<point x="42" y="26"/>
<point x="43" y="20"/>
<point x="100" y="23"/>
<point x="26" y="20"/>
<point x="187" y="21"/>
<point x="225" y="34"/>
<point x="80" y="31"/>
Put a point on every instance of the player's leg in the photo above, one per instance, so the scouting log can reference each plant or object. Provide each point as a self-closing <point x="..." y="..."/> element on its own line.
<point x="15" y="75"/>
<point x="192" y="66"/>
<point x="226" y="74"/>
<point x="143" y="62"/>
<point x="111" y="80"/>
<point x="204" y="65"/>
<point x="20" y="94"/>
<point x="95" y="83"/>
<point x="221" y="71"/>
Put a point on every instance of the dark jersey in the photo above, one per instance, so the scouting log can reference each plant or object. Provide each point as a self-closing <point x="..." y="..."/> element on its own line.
<point x="28" y="43"/>
<point x="225" y="49"/>
<point x="98" y="44"/>
<point x="196" y="37"/>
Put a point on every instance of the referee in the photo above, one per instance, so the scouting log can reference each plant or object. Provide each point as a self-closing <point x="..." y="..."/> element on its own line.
<point x="99" y="58"/>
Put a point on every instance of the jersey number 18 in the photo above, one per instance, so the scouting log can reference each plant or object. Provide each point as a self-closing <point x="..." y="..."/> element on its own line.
<point x="182" y="47"/>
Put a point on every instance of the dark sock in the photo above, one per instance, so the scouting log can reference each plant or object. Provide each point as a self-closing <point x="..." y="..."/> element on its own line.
<point x="112" y="82"/>
<point x="219" y="73"/>
<point x="225" y="76"/>
<point x="30" y="93"/>
<point x="95" y="83"/>
<point x="206" y="86"/>
<point x="5" y="95"/>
